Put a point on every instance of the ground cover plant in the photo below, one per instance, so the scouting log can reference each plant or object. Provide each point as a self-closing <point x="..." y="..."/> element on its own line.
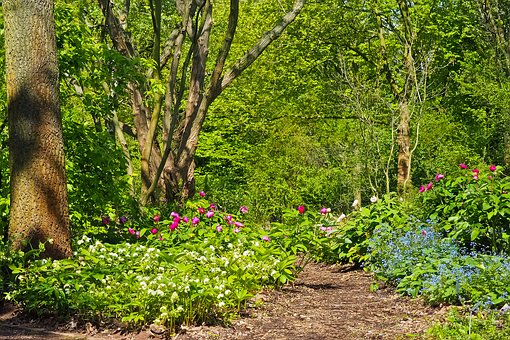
<point x="200" y="264"/>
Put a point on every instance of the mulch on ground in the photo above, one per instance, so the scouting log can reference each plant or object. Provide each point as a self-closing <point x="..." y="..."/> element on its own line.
<point x="325" y="302"/>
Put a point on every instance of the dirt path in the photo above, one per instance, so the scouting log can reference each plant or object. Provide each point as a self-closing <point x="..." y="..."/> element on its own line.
<point x="324" y="303"/>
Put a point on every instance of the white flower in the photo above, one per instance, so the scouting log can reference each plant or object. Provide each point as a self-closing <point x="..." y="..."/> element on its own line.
<point x="355" y="203"/>
<point x="221" y="304"/>
<point x="340" y="218"/>
<point x="373" y="199"/>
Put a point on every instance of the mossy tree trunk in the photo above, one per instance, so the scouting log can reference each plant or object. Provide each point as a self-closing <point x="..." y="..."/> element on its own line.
<point x="39" y="210"/>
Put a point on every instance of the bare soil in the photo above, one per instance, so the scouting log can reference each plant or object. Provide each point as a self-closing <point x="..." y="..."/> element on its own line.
<point x="325" y="302"/>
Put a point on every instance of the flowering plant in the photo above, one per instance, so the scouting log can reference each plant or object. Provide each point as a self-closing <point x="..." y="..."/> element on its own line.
<point x="473" y="206"/>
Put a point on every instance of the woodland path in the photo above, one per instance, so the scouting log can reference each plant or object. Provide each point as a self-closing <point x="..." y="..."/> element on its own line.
<point x="325" y="302"/>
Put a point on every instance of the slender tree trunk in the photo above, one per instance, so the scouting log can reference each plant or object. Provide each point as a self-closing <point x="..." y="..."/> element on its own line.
<point x="39" y="208"/>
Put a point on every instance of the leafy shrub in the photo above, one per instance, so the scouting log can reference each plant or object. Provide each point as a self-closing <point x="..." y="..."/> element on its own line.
<point x="473" y="206"/>
<point x="96" y="174"/>
<point x="419" y="261"/>
<point x="351" y="237"/>
<point x="172" y="267"/>
<point x="483" y="325"/>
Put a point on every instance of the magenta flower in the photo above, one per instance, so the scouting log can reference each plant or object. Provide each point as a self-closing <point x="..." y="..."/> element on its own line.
<point x="185" y="219"/>
<point x="173" y="226"/>
<point x="160" y="238"/>
<point x="156" y="218"/>
<point x="131" y="231"/>
<point x="209" y="214"/>
<point x="463" y="166"/>
<point x="174" y="214"/>
<point x="154" y="231"/>
<point x="476" y="171"/>
<point x="177" y="219"/>
<point x="219" y="228"/>
<point x="202" y="194"/>
<point x="493" y="168"/>
<point x="266" y="238"/>
<point x="195" y="220"/>
<point x="212" y="206"/>
<point x="429" y="186"/>
<point x="439" y="177"/>
<point x="324" y="211"/>
<point x="239" y="225"/>
<point x="106" y="220"/>
<point x="301" y="209"/>
<point x="229" y="219"/>
<point x="243" y="209"/>
<point x="422" y="189"/>
<point x="201" y="211"/>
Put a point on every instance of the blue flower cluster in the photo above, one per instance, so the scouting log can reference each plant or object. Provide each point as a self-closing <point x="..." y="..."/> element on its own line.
<point x="420" y="261"/>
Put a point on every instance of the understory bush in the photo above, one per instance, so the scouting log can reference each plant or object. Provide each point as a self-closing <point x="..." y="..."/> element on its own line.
<point x="419" y="261"/>
<point x="200" y="264"/>
<point x="353" y="232"/>
<point x="473" y="206"/>
<point x="469" y="324"/>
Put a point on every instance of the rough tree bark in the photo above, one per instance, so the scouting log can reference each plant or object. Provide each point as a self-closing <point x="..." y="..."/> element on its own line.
<point x="39" y="210"/>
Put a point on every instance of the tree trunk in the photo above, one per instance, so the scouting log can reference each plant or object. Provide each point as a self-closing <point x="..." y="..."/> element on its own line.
<point x="39" y="210"/>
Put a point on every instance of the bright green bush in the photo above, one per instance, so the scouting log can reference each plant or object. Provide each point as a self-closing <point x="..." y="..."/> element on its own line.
<point x="472" y="205"/>
<point x="353" y="232"/>
<point x="171" y="268"/>
<point x="462" y="325"/>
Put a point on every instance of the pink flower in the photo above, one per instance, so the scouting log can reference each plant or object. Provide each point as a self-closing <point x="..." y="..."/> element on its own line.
<point x="229" y="219"/>
<point x="301" y="209"/>
<point x="239" y="225"/>
<point x="174" y="214"/>
<point x="243" y="209"/>
<point x="154" y="231"/>
<point x="266" y="238"/>
<point x="212" y="206"/>
<point x="173" y="226"/>
<point x="489" y="177"/>
<point x="156" y="218"/>
<point x="195" y="220"/>
<point x="475" y="177"/>
<point x="493" y="168"/>
<point x="131" y="231"/>
<point x="219" y="228"/>
<point x="237" y="230"/>
<point x="185" y="219"/>
<point x="323" y="228"/>
<point x="160" y="238"/>
<point x="137" y="234"/>
<point x="439" y="177"/>
<point x="424" y="232"/>
<point x="463" y="166"/>
<point x="202" y="194"/>
<point x="177" y="220"/>
<point x="201" y="211"/>
<point x="476" y="171"/>
<point x="324" y="211"/>
<point x="209" y="214"/>
<point x="422" y="189"/>
<point x="429" y="186"/>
